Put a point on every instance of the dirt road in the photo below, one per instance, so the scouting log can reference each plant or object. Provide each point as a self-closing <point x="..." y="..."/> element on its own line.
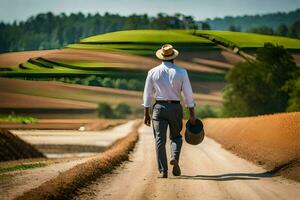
<point x="208" y="172"/>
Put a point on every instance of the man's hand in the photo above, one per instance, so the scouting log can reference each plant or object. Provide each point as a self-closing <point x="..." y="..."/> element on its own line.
<point x="147" y="118"/>
<point x="192" y="118"/>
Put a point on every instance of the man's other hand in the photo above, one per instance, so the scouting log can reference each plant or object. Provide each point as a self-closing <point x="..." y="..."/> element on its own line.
<point x="192" y="120"/>
<point x="147" y="120"/>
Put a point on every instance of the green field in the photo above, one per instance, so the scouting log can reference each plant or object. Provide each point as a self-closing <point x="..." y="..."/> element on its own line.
<point x="146" y="36"/>
<point x="41" y="67"/>
<point x="144" y="42"/>
<point x="248" y="40"/>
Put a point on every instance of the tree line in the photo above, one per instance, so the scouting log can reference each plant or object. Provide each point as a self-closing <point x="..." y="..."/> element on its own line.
<point x="247" y="22"/>
<point x="282" y="30"/>
<point x="49" y="31"/>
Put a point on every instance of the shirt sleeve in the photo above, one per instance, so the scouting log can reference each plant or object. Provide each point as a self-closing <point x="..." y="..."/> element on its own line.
<point x="187" y="91"/>
<point x="148" y="91"/>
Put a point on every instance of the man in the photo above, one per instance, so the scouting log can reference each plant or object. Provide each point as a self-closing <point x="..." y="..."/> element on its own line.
<point x="166" y="82"/>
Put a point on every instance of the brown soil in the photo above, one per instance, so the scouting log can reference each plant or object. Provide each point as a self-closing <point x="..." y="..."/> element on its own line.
<point x="101" y="56"/>
<point x="16" y="58"/>
<point x="68" y="91"/>
<point x="13" y="148"/>
<point x="206" y="92"/>
<point x="219" y="58"/>
<point x="128" y="60"/>
<point x="271" y="140"/>
<point x="13" y="100"/>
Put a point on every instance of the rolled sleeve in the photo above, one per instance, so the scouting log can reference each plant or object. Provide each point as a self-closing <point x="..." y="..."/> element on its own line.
<point x="148" y="91"/>
<point x="187" y="91"/>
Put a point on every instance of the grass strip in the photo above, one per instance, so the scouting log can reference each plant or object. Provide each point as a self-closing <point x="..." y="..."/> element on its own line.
<point x="21" y="167"/>
<point x="67" y="184"/>
<point x="18" y="119"/>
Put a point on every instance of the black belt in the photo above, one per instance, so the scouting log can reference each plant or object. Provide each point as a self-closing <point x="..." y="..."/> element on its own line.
<point x="167" y="101"/>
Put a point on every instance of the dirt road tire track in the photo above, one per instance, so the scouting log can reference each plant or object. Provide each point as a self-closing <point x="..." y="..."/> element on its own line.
<point x="208" y="172"/>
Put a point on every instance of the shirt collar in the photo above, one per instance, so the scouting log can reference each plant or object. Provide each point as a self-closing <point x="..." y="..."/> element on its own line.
<point x="168" y="64"/>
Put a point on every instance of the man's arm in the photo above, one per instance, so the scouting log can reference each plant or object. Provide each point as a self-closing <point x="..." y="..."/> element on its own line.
<point x="188" y="97"/>
<point x="147" y="97"/>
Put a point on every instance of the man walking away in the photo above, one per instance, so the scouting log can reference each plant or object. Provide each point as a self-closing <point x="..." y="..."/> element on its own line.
<point x="165" y="83"/>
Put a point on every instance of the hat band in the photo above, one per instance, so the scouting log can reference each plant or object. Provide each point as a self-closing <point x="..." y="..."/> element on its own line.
<point x="162" y="53"/>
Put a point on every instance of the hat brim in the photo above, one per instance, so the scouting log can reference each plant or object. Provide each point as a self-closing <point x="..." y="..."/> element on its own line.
<point x="160" y="56"/>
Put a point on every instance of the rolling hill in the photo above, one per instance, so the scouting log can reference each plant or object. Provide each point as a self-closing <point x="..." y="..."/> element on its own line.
<point x="53" y="99"/>
<point x="118" y="55"/>
<point x="124" y="55"/>
<point x="144" y="42"/>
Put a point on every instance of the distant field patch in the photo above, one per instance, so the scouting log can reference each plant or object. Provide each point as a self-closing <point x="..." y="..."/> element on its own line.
<point x="249" y="40"/>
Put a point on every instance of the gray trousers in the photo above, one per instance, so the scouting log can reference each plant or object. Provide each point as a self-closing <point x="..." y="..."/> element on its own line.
<point x="167" y="114"/>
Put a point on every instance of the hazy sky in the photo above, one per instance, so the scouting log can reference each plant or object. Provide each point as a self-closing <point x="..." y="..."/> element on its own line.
<point x="201" y="9"/>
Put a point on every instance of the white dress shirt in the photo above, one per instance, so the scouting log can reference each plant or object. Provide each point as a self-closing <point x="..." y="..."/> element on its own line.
<point x="166" y="82"/>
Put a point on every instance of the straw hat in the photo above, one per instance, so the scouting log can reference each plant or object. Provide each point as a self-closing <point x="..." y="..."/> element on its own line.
<point x="166" y="52"/>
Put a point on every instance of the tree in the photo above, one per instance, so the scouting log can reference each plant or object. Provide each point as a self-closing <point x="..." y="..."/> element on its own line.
<point x="234" y="28"/>
<point x="122" y="110"/>
<point x="293" y="89"/>
<point x="107" y="82"/>
<point x="282" y="30"/>
<point x="205" y="112"/>
<point x="105" y="110"/>
<point x="256" y="87"/>
<point x="262" y="30"/>
<point x="47" y="31"/>
<point x="135" y="84"/>
<point x="205" y="26"/>
<point x="294" y="30"/>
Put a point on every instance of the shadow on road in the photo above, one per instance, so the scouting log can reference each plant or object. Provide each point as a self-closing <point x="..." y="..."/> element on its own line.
<point x="228" y="177"/>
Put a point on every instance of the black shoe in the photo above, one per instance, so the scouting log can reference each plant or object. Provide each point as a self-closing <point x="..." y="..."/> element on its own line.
<point x="176" y="169"/>
<point x="162" y="175"/>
